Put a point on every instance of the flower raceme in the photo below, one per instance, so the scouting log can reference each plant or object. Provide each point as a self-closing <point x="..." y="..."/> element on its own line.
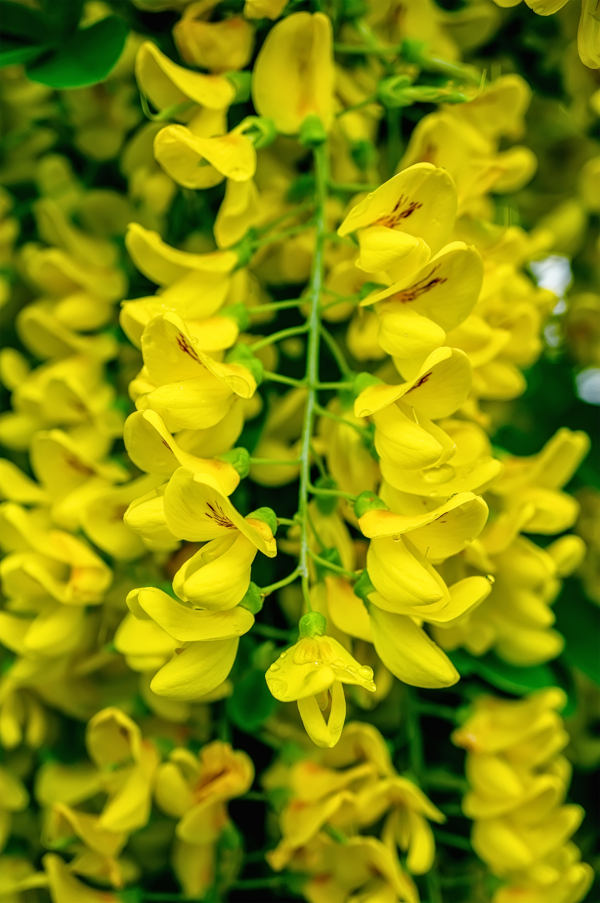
<point x="283" y="235"/>
<point x="311" y="673"/>
<point x="518" y="779"/>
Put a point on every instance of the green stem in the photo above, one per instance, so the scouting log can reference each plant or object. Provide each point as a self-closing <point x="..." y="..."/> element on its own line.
<point x="356" y="106"/>
<point x="286" y="521"/>
<point x="453" y="840"/>
<point x="267" y="590"/>
<point x="437" y="711"/>
<point x="278" y="336"/>
<point x="414" y="735"/>
<point x="333" y="567"/>
<point x="335" y="385"/>
<point x="452" y="70"/>
<point x="312" y="360"/>
<point x="281" y="236"/>
<point x="362" y="49"/>
<point x="295" y="211"/>
<point x="323" y="412"/>
<point x="276" y="305"/>
<point x="318" y="460"/>
<point x="280" y="378"/>
<point x="434" y="891"/>
<point x="318" y="490"/>
<point x="336" y="352"/>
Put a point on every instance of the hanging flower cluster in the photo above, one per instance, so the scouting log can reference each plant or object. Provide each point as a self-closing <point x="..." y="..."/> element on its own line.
<point x="330" y="798"/>
<point x="272" y="294"/>
<point x="518" y="781"/>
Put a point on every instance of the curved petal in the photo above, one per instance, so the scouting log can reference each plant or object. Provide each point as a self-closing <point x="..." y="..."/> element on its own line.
<point x="407" y="651"/>
<point x="196" y="670"/>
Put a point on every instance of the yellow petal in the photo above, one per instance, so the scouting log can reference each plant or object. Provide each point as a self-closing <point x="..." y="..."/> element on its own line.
<point x="389" y="252"/>
<point x="311" y="666"/>
<point x="196" y="670"/>
<point x="420" y="201"/>
<point x="217" y="577"/>
<point x="196" y="511"/>
<point x="440" y="386"/>
<point x="196" y="162"/>
<point x="588" y="34"/>
<point x="346" y="610"/>
<point x="145" y="645"/>
<point x="408" y="652"/>
<point x="66" y="888"/>
<point x="187" y="624"/>
<point x="324" y="733"/>
<point x="410" y="442"/>
<point x="112" y="738"/>
<point x="438" y="533"/>
<point x="167" y="84"/>
<point x="465" y="595"/>
<point x="164" y="265"/>
<point x="152" y="448"/>
<point x="240" y="210"/>
<point x="293" y="74"/>
<point x="402" y="575"/>
<point x="129" y="808"/>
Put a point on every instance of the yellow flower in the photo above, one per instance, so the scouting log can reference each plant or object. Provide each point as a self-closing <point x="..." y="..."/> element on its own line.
<point x="177" y="90"/>
<point x="128" y="765"/>
<point x="164" y="265"/>
<point x="194" y="789"/>
<point x="197" y="511"/>
<point x="240" y="210"/>
<point x="217" y="577"/>
<point x="404" y="432"/>
<point x="153" y="449"/>
<point x="216" y="46"/>
<point x="263" y="9"/>
<point x="535" y="482"/>
<point x="198" y="161"/>
<point x="13" y="798"/>
<point x="403" y="222"/>
<point x="416" y="312"/>
<point x="182" y="383"/>
<point x="293" y="74"/>
<point x="66" y="888"/>
<point x="313" y="671"/>
<point x="207" y="642"/>
<point x="361" y="868"/>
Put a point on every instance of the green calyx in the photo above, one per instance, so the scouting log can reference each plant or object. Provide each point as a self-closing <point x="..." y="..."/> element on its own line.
<point x="239" y="458"/>
<point x="267" y="516"/>
<point x="363" y="587"/>
<point x="253" y="600"/>
<point x="363" y="381"/>
<point x="368" y="501"/>
<point x="241" y="354"/>
<point x="313" y="623"/>
<point x="312" y="132"/>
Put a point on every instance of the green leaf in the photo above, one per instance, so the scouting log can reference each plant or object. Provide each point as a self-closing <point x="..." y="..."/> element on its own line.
<point x="23" y="22"/>
<point x="508" y="678"/>
<point x="13" y="52"/>
<point x="85" y="58"/>
<point x="250" y="703"/>
<point x="578" y="620"/>
<point x="63" y="15"/>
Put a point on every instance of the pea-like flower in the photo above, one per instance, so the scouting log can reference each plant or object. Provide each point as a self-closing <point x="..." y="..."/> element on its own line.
<point x="311" y="673"/>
